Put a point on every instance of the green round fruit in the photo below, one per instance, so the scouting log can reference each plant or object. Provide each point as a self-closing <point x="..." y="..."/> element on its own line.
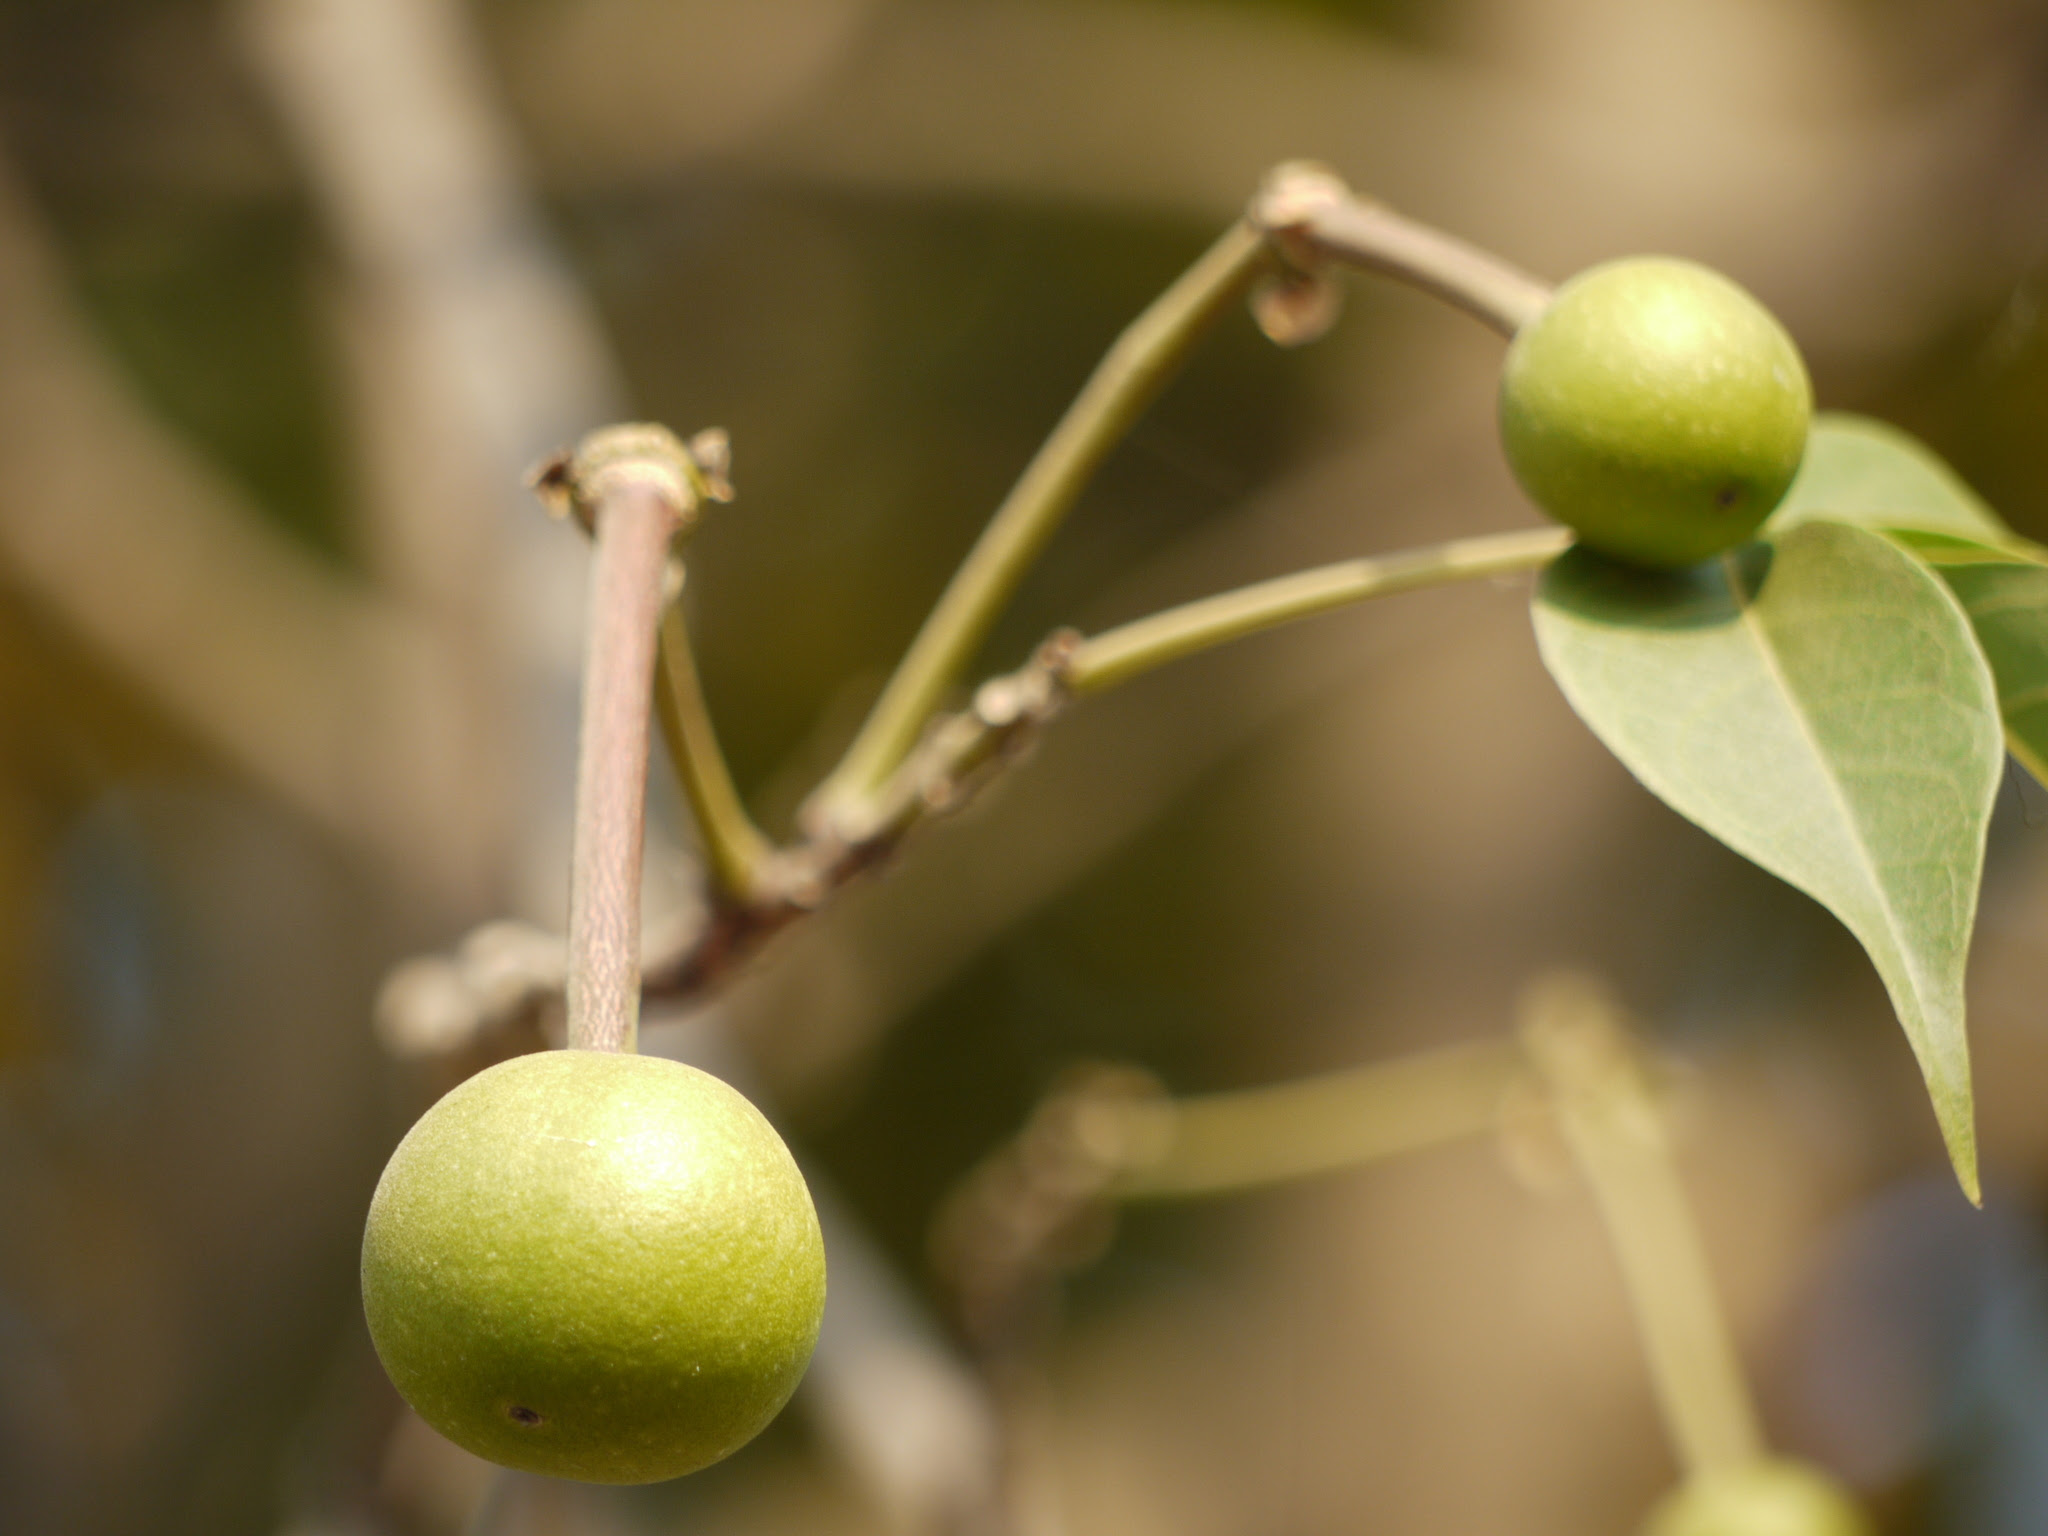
<point x="1766" y="1498"/>
<point x="594" y="1265"/>
<point x="1657" y="409"/>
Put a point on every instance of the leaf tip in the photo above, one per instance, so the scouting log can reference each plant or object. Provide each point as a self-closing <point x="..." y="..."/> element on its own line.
<point x="1959" y="1132"/>
<point x="1966" y="1176"/>
<point x="1944" y="1053"/>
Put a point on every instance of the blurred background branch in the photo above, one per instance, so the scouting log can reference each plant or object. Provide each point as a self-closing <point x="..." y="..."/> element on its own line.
<point x="328" y="695"/>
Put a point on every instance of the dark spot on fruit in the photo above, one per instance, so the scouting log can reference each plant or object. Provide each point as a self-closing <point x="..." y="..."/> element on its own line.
<point x="523" y="1415"/>
<point x="1727" y="496"/>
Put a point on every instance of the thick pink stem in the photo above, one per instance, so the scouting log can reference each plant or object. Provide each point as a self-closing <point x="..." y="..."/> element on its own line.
<point x="634" y="519"/>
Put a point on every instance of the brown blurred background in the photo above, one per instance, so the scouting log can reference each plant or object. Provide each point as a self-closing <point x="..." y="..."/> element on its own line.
<point x="292" y="291"/>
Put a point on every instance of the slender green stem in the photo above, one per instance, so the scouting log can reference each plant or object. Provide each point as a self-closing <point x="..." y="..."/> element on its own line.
<point x="1118" y="655"/>
<point x="1577" y="1042"/>
<point x="1127" y="380"/>
<point x="1224" y="1142"/>
<point x="1008" y="710"/>
<point x="734" y="848"/>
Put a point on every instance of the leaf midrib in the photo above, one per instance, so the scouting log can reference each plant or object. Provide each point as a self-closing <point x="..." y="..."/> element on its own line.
<point x="1746" y="607"/>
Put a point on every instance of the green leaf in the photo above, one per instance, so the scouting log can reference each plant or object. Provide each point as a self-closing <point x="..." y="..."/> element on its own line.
<point x="2004" y="590"/>
<point x="1858" y="470"/>
<point x="1862" y="471"/>
<point x="1817" y="702"/>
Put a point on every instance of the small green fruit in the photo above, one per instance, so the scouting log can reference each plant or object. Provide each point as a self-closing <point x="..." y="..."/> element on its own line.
<point x="594" y="1265"/>
<point x="1657" y="409"/>
<point x="1766" y="1498"/>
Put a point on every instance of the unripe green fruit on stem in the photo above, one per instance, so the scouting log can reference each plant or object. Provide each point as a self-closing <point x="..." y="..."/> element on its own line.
<point x="1765" y="1498"/>
<point x="1657" y="409"/>
<point x="594" y="1265"/>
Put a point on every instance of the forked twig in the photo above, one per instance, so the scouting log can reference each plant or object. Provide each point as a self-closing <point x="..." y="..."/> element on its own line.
<point x="907" y="765"/>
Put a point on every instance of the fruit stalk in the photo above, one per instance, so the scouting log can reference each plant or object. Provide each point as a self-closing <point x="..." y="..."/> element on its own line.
<point x="634" y="488"/>
<point x="634" y="522"/>
<point x="1314" y="217"/>
<point x="1115" y="656"/>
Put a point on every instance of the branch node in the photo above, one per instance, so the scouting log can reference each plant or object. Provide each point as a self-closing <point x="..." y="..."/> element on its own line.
<point x="1306" y="213"/>
<point x="574" y="482"/>
<point x="1302" y="300"/>
<point x="1293" y="195"/>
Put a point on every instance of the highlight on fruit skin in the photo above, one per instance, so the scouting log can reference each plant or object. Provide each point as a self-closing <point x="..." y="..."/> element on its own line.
<point x="1656" y="408"/>
<point x="1772" y="1497"/>
<point x="594" y="1265"/>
